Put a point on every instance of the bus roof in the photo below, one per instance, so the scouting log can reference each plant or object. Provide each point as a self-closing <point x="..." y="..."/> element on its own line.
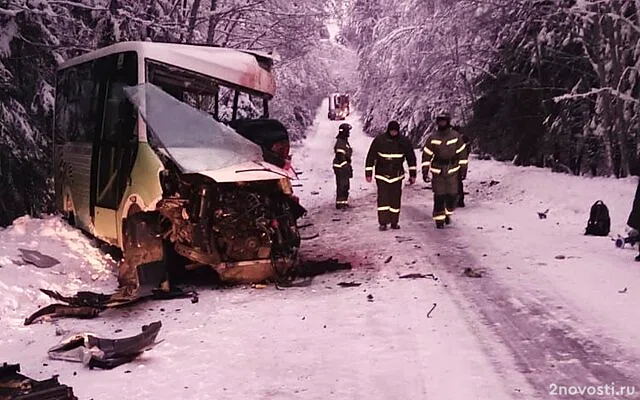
<point x="245" y="68"/>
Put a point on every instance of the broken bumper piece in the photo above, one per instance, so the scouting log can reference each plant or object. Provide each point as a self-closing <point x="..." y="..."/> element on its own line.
<point x="89" y="304"/>
<point x="96" y="352"/>
<point x="15" y="386"/>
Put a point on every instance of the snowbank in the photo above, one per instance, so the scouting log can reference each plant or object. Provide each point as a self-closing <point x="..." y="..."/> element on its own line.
<point x="82" y="266"/>
<point x="582" y="278"/>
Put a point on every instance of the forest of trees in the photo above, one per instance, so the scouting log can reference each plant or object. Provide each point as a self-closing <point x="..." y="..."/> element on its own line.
<point x="541" y="82"/>
<point x="35" y="36"/>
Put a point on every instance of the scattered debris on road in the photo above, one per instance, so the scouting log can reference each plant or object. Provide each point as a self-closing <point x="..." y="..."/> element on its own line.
<point x="315" y="193"/>
<point x="560" y="257"/>
<point x="15" y="386"/>
<point x="623" y="290"/>
<point x="432" y="308"/>
<point x="419" y="276"/>
<point x="388" y="259"/>
<point x="370" y="298"/>
<point x="349" y="284"/>
<point x="90" y="305"/>
<point x="290" y="284"/>
<point x="402" y="239"/>
<point x="96" y="352"/>
<point x="38" y="259"/>
<point x="472" y="273"/>
<point x="490" y="183"/>
<point x="258" y="286"/>
<point x="317" y="235"/>
<point x="543" y="215"/>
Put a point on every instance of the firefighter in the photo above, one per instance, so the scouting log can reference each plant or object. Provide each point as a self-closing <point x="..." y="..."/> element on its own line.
<point x="461" y="177"/>
<point x="342" y="166"/>
<point x="387" y="155"/>
<point x="445" y="156"/>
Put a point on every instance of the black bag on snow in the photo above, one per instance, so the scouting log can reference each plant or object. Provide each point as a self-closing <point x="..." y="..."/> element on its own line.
<point x="599" y="223"/>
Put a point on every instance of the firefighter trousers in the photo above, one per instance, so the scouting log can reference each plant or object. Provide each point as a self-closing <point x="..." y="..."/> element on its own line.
<point x="389" y="195"/>
<point x="342" y="189"/>
<point x="460" y="201"/>
<point x="443" y="206"/>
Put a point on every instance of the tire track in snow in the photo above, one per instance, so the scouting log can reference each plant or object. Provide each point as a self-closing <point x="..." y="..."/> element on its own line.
<point x="546" y="349"/>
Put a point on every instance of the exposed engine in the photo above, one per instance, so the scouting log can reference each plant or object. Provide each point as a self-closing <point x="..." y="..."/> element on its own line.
<point x="211" y="223"/>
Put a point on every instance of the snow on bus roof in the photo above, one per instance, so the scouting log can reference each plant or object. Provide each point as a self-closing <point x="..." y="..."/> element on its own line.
<point x="245" y="68"/>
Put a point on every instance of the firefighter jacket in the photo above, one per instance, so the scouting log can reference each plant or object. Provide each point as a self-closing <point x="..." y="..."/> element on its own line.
<point x="445" y="153"/>
<point x="387" y="155"/>
<point x="342" y="158"/>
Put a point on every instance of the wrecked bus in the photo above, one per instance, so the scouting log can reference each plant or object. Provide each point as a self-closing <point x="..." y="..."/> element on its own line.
<point x="167" y="152"/>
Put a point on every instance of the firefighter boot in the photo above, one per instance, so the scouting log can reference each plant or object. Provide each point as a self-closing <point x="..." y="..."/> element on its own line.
<point x="447" y="220"/>
<point x="383" y="227"/>
<point x="395" y="226"/>
<point x="440" y="224"/>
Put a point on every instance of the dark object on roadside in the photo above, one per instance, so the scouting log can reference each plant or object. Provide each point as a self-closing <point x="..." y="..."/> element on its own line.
<point x="89" y="304"/>
<point x="15" y="386"/>
<point x="349" y="284"/>
<point x="471" y="273"/>
<point x="632" y="238"/>
<point x="370" y="298"/>
<point x="543" y="215"/>
<point x="419" y="276"/>
<point x="96" y="352"/>
<point x="623" y="290"/>
<point x="388" y="260"/>
<point x="38" y="259"/>
<point x="634" y="216"/>
<point x="599" y="223"/>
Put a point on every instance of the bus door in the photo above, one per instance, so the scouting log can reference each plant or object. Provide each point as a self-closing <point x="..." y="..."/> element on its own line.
<point x="116" y="144"/>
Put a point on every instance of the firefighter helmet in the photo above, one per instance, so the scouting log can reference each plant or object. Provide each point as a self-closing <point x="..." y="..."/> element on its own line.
<point x="344" y="128"/>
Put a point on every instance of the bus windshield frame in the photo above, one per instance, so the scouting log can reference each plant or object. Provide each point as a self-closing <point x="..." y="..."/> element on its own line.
<point x="223" y="100"/>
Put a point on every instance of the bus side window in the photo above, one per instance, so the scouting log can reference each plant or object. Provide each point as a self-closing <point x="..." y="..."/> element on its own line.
<point x="120" y="115"/>
<point x="75" y="110"/>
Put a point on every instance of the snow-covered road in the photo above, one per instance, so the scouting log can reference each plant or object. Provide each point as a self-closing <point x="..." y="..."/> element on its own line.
<point x="534" y="319"/>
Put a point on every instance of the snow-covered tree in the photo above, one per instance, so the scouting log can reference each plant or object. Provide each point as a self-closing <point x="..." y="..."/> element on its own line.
<point x="549" y="82"/>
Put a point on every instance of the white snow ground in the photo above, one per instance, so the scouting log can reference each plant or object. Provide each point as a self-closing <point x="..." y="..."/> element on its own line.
<point x="530" y="321"/>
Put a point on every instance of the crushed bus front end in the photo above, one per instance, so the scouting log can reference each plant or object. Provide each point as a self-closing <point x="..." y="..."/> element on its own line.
<point x="223" y="205"/>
